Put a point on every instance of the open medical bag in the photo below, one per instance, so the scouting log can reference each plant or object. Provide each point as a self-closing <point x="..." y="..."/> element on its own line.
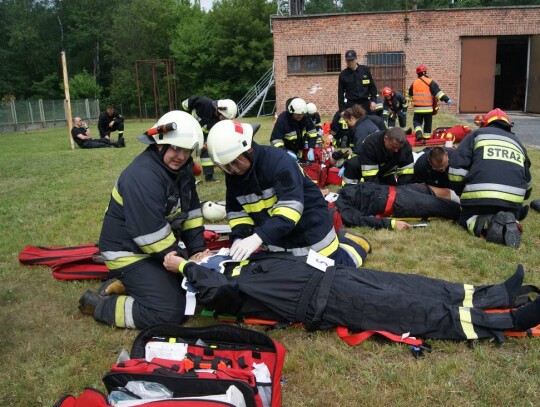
<point x="205" y="361"/>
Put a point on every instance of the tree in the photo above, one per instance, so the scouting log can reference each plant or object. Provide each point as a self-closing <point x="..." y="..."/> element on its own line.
<point x="84" y="86"/>
<point x="321" y="6"/>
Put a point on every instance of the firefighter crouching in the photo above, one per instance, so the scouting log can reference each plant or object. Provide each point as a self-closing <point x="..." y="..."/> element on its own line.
<point x="153" y="201"/>
<point x="491" y="172"/>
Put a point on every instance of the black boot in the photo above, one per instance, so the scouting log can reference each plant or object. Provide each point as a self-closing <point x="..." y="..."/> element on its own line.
<point x="503" y="229"/>
<point x="121" y="141"/>
<point x="528" y="316"/>
<point x="89" y="301"/>
<point x="535" y="205"/>
<point x="211" y="178"/>
<point x="513" y="285"/>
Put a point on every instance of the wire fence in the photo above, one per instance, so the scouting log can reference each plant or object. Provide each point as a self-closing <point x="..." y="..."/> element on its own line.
<point x="32" y="114"/>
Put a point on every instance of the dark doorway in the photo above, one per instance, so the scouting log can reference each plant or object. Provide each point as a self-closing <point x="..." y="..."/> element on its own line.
<point x="511" y="73"/>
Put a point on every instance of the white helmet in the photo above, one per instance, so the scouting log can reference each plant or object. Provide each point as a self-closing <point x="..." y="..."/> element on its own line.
<point x="227" y="108"/>
<point x="297" y="106"/>
<point x="213" y="211"/>
<point x="311" y="108"/>
<point x="177" y="128"/>
<point x="227" y="140"/>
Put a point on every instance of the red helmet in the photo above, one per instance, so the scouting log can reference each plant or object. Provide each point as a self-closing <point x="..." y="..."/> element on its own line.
<point x="421" y="69"/>
<point x="494" y="115"/>
<point x="479" y="120"/>
<point x="386" y="91"/>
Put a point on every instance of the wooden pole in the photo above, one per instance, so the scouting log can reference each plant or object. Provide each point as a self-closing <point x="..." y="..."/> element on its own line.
<point x="67" y="100"/>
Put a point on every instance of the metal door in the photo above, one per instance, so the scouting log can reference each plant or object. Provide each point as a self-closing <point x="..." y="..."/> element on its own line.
<point x="477" y="82"/>
<point x="532" y="103"/>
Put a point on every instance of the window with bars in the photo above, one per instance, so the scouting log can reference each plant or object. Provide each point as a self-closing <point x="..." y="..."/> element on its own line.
<point x="388" y="69"/>
<point x="313" y="64"/>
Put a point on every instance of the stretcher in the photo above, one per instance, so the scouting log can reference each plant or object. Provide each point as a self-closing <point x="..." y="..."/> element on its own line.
<point x="440" y="136"/>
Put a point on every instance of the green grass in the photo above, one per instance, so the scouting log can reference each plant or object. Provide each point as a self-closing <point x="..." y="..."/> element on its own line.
<point x="51" y="195"/>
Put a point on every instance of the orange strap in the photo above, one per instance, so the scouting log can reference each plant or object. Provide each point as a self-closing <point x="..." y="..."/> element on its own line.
<point x="389" y="208"/>
<point x="355" y="339"/>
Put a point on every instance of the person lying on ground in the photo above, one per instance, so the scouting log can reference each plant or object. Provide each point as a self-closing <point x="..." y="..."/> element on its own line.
<point x="289" y="289"/>
<point x="369" y="204"/>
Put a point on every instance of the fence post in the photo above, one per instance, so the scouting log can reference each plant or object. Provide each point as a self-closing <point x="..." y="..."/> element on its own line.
<point x="30" y="114"/>
<point x="13" y="114"/>
<point x="87" y="108"/>
<point x="41" y="113"/>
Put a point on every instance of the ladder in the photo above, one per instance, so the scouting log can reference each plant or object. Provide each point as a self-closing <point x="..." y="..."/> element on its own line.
<point x="256" y="93"/>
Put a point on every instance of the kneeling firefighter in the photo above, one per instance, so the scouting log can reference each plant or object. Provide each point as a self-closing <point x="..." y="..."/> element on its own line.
<point x="153" y="202"/>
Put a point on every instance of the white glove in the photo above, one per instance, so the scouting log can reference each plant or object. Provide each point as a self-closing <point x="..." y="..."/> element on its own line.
<point x="243" y="248"/>
<point x="293" y="155"/>
<point x="311" y="155"/>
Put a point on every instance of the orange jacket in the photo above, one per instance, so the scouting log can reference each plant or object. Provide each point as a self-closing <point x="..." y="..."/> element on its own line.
<point x="422" y="97"/>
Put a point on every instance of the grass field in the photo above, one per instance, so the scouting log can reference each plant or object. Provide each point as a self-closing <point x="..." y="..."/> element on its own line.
<point x="51" y="195"/>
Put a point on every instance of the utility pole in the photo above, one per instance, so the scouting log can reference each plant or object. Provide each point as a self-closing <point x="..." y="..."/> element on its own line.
<point x="67" y="100"/>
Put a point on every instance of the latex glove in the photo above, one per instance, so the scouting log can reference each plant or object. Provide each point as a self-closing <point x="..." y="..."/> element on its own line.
<point x="311" y="155"/>
<point x="242" y="249"/>
<point x="293" y="155"/>
<point x="449" y="102"/>
<point x="341" y="172"/>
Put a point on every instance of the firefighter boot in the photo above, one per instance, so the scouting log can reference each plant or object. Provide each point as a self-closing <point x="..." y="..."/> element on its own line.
<point x="356" y="238"/>
<point x="535" y="205"/>
<point x="503" y="230"/>
<point x="112" y="286"/>
<point x="513" y="285"/>
<point x="528" y="316"/>
<point x="89" y="301"/>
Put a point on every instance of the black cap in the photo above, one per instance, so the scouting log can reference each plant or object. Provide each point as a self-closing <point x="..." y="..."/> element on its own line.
<point x="350" y="54"/>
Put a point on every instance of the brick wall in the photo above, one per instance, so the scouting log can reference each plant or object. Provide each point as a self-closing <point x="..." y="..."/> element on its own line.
<point x="433" y="39"/>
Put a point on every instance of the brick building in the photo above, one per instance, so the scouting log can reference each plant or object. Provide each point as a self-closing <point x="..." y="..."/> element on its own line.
<point x="481" y="58"/>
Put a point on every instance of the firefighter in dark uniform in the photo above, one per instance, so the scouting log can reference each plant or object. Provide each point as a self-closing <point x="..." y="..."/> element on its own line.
<point x="208" y="112"/>
<point x="270" y="201"/>
<point x="110" y="120"/>
<point x="291" y="290"/>
<point x="424" y="92"/>
<point x="294" y="130"/>
<point x="356" y="85"/>
<point x="81" y="135"/>
<point x="370" y="204"/>
<point x="394" y="105"/>
<point x="340" y="130"/>
<point x="153" y="202"/>
<point x="385" y="157"/>
<point x="360" y="126"/>
<point x="431" y="167"/>
<point x="491" y="172"/>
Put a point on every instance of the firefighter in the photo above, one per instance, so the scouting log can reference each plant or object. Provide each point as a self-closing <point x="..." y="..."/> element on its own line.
<point x="384" y="157"/>
<point x="270" y="201"/>
<point x="360" y="126"/>
<point x="208" y="112"/>
<point x="153" y="202"/>
<point x="370" y="204"/>
<point x="294" y="131"/>
<point x="110" y="120"/>
<point x="425" y="93"/>
<point x="394" y="105"/>
<point x="292" y="290"/>
<point x="491" y="173"/>
<point x="340" y="130"/>
<point x="432" y="166"/>
<point x="356" y="85"/>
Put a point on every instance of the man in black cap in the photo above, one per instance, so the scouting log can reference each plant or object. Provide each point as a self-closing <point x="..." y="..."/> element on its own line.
<point x="356" y="85"/>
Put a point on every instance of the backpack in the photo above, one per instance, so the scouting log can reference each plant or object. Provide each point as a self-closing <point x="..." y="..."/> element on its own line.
<point x="215" y="363"/>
